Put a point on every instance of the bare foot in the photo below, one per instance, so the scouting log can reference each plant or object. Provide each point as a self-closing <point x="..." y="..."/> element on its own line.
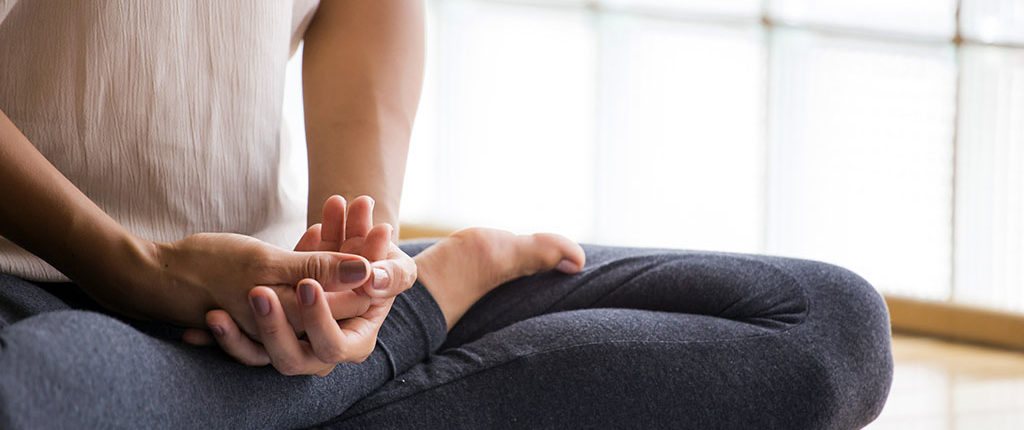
<point x="461" y="268"/>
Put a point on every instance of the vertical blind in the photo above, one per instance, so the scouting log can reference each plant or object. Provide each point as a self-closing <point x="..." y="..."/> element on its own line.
<point x="885" y="136"/>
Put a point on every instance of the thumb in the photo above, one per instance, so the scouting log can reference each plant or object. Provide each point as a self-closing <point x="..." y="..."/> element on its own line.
<point x="392" y="277"/>
<point x="335" y="271"/>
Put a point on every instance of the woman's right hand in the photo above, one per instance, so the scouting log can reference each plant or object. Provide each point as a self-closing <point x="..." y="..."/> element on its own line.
<point x="217" y="270"/>
<point x="180" y="282"/>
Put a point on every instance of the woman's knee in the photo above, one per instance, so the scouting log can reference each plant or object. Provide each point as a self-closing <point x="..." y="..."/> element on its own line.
<point x="839" y="297"/>
<point x="847" y="333"/>
<point x="55" y="362"/>
<point x="66" y="346"/>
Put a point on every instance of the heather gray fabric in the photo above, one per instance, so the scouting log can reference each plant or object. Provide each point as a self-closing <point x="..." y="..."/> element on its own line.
<point x="71" y="368"/>
<point x="641" y="338"/>
<point x="646" y="338"/>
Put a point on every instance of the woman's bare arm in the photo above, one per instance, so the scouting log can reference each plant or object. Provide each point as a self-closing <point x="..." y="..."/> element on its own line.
<point x="362" y="72"/>
<point x="45" y="213"/>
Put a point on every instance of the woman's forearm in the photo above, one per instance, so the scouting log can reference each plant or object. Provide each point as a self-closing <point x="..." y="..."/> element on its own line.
<point x="362" y="76"/>
<point x="43" y="212"/>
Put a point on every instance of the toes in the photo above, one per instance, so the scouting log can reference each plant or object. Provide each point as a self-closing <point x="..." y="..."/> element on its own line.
<point x="515" y="256"/>
<point x="559" y="252"/>
<point x="567" y="266"/>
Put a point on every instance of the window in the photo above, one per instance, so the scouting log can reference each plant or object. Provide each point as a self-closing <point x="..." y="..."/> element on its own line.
<point x="884" y="136"/>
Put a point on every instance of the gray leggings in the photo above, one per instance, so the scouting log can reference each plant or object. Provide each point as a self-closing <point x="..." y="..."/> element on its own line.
<point x="641" y="338"/>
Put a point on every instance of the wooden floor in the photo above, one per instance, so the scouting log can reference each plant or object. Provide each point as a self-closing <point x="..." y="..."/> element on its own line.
<point x="942" y="385"/>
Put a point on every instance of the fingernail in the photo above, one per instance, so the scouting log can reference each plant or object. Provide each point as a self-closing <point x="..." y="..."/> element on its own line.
<point x="567" y="266"/>
<point x="351" y="271"/>
<point x="261" y="305"/>
<point x="307" y="293"/>
<point x="381" y="280"/>
<point x="217" y="330"/>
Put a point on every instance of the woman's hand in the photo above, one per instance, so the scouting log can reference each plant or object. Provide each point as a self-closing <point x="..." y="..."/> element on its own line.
<point x="179" y="282"/>
<point x="217" y="270"/>
<point x="328" y="341"/>
<point x="347" y="232"/>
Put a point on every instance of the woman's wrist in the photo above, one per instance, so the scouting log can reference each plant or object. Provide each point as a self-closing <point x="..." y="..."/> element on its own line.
<point x="159" y="284"/>
<point x="129" y="275"/>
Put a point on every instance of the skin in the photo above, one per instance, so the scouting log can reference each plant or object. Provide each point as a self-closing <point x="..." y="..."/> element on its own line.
<point x="457" y="271"/>
<point x="362" y="74"/>
<point x="363" y="68"/>
<point x="363" y="71"/>
<point x="328" y="341"/>
<point x="174" y="282"/>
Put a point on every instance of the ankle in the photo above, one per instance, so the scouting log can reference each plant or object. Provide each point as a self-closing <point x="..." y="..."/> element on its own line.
<point x="429" y="273"/>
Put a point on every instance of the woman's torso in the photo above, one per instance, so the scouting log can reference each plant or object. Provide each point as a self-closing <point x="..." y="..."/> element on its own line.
<point x="166" y="114"/>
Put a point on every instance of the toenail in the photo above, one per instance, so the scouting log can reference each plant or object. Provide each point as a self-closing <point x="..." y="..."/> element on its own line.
<point x="567" y="266"/>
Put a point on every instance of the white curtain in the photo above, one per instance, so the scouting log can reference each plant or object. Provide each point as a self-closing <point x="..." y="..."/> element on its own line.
<point x="857" y="132"/>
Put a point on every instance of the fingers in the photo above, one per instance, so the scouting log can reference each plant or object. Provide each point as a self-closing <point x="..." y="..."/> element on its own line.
<point x="197" y="337"/>
<point x="393" y="274"/>
<point x="288" y="354"/>
<point x="310" y="240"/>
<point x="346" y="304"/>
<point x="377" y="242"/>
<point x="334" y="270"/>
<point x="329" y="344"/>
<point x="333" y="220"/>
<point x="342" y="304"/>
<point x="363" y="330"/>
<point x="360" y="217"/>
<point x="233" y="341"/>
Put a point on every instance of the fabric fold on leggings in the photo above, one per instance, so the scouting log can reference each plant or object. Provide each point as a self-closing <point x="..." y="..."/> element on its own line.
<point x="408" y="337"/>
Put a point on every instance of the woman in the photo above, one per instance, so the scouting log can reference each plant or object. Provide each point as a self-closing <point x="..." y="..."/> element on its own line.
<point x="131" y="128"/>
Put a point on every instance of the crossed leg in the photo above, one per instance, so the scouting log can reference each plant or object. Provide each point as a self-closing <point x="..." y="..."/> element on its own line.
<point x="638" y="338"/>
<point x="654" y="339"/>
<point x="65" y="362"/>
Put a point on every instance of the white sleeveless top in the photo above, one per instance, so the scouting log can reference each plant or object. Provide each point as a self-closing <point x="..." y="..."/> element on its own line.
<point x="167" y="114"/>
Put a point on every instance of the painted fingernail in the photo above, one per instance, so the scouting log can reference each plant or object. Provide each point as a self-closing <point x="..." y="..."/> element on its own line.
<point x="261" y="305"/>
<point x="381" y="279"/>
<point x="307" y="293"/>
<point x="217" y="330"/>
<point x="567" y="266"/>
<point x="351" y="271"/>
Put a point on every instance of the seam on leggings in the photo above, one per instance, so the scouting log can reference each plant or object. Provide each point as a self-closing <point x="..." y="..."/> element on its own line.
<point x="433" y="342"/>
<point x="418" y="320"/>
<point x="646" y="268"/>
<point x="782" y="271"/>
<point x="806" y="314"/>
<point x="594" y="271"/>
<point x="391" y="358"/>
<point x="778" y="333"/>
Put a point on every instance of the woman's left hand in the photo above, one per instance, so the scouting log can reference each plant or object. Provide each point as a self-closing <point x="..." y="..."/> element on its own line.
<point x="328" y="342"/>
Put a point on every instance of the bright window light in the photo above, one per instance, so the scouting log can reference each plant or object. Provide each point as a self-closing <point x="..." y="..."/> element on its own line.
<point x="862" y="158"/>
